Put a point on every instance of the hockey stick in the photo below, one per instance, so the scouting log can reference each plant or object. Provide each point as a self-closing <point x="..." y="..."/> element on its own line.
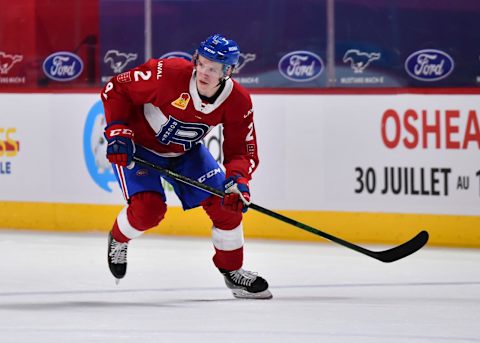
<point x="389" y="255"/>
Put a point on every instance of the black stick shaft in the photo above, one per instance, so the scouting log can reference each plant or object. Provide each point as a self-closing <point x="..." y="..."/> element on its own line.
<point x="390" y="255"/>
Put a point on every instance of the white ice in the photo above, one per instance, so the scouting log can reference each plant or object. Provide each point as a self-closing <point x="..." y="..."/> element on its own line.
<point x="57" y="288"/>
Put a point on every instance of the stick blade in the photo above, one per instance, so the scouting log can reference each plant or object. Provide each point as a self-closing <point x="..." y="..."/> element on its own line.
<point x="404" y="250"/>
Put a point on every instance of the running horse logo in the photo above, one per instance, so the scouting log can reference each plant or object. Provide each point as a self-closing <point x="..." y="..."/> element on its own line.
<point x="360" y="60"/>
<point x="244" y="59"/>
<point x="7" y="61"/>
<point x="118" y="60"/>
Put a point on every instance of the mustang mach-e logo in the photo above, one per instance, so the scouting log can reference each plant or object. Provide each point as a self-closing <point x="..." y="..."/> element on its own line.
<point x="244" y="59"/>
<point x="8" y="61"/>
<point x="118" y="60"/>
<point x="359" y="60"/>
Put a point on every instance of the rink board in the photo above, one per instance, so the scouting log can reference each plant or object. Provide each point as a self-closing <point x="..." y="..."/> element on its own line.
<point x="382" y="228"/>
<point x="370" y="168"/>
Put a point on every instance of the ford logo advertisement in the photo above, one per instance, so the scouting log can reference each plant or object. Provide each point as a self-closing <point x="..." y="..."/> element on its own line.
<point x="63" y="66"/>
<point x="300" y="66"/>
<point x="429" y="65"/>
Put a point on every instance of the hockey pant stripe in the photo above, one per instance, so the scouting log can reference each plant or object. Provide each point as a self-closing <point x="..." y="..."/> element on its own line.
<point x="123" y="182"/>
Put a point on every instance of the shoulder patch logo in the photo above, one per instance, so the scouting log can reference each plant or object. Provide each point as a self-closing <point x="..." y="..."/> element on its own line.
<point x="124" y="77"/>
<point x="182" y="101"/>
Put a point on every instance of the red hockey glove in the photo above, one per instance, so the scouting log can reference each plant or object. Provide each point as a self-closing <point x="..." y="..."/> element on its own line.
<point x="120" y="148"/>
<point x="237" y="194"/>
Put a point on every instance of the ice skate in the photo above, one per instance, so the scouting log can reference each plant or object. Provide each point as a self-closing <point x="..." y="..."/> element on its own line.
<point x="117" y="257"/>
<point x="246" y="285"/>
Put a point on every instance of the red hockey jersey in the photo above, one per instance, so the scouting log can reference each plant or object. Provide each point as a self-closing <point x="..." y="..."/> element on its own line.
<point x="159" y="101"/>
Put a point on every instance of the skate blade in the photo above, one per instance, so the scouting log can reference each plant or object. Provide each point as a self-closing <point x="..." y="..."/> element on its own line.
<point x="243" y="294"/>
<point x="117" y="281"/>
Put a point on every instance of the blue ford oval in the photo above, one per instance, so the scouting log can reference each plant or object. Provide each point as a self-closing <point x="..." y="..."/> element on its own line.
<point x="429" y="65"/>
<point x="300" y="66"/>
<point x="63" y="66"/>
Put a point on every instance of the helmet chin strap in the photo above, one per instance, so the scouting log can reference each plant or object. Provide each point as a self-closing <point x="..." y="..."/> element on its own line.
<point x="229" y="76"/>
<point x="222" y="80"/>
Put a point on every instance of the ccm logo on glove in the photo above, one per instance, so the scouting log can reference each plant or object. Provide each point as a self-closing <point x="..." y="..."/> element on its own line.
<point x="121" y="132"/>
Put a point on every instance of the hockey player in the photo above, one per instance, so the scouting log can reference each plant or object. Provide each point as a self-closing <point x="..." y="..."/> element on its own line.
<point x="160" y="111"/>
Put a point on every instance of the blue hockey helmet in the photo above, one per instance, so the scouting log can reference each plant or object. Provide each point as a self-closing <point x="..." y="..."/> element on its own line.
<point x="217" y="48"/>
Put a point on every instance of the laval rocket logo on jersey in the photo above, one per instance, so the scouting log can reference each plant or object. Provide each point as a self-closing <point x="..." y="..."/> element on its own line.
<point x="7" y="61"/>
<point x="63" y="66"/>
<point x="180" y="54"/>
<point x="95" y="147"/>
<point x="179" y="132"/>
<point x="300" y="66"/>
<point x="429" y="65"/>
<point x="359" y="60"/>
<point x="118" y="60"/>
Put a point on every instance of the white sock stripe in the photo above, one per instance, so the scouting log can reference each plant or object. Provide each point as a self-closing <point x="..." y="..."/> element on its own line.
<point x="228" y="240"/>
<point x="124" y="225"/>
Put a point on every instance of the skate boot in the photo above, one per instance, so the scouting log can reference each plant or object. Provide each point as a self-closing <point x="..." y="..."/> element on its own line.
<point x="246" y="285"/>
<point x="117" y="257"/>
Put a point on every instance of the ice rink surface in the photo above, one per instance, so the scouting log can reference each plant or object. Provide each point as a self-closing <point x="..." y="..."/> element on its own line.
<point x="56" y="288"/>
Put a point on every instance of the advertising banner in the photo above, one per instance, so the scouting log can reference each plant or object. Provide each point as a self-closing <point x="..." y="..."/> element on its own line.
<point x="307" y="44"/>
<point x="378" y="153"/>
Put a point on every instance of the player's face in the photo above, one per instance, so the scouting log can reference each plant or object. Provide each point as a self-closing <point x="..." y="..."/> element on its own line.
<point x="209" y="74"/>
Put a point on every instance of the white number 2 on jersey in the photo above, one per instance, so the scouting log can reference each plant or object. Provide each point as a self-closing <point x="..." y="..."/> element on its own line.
<point x="250" y="133"/>
<point x="144" y="75"/>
